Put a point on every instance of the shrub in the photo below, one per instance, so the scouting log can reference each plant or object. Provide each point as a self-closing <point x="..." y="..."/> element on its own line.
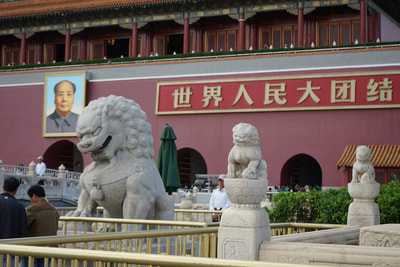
<point x="388" y="201"/>
<point x="294" y="207"/>
<point x="332" y="206"/>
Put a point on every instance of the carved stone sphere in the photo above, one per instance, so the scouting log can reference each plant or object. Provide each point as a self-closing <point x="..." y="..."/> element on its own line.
<point x="245" y="191"/>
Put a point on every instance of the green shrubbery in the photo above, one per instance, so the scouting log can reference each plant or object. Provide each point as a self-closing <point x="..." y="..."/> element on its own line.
<point x="388" y="201"/>
<point x="331" y="206"/>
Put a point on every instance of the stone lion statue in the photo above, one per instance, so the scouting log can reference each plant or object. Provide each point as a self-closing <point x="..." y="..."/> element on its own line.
<point x="244" y="159"/>
<point x="363" y="171"/>
<point x="123" y="177"/>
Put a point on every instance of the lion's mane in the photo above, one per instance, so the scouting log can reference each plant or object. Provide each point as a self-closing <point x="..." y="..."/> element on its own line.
<point x="245" y="134"/>
<point x="134" y="119"/>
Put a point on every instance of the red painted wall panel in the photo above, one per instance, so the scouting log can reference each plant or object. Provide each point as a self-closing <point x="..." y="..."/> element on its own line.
<point x="322" y="135"/>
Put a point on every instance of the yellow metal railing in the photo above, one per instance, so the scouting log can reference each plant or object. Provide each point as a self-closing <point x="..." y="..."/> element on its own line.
<point x="196" y="242"/>
<point x="295" y="228"/>
<point x="180" y="214"/>
<point x="70" y="225"/>
<point x="194" y="215"/>
<point x="61" y="257"/>
<point x="77" y="225"/>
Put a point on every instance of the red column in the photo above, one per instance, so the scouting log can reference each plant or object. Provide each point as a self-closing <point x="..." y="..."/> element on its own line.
<point x="134" y="52"/>
<point x="377" y="26"/>
<point x="363" y="22"/>
<point x="186" y="36"/>
<point x="312" y="32"/>
<point x="241" y="40"/>
<point x="307" y="33"/>
<point x="148" y="44"/>
<point x="67" y="45"/>
<point x="22" y="56"/>
<point x="253" y="36"/>
<point x="39" y="52"/>
<point x="199" y="40"/>
<point x="82" y="49"/>
<point x="1" y="55"/>
<point x="300" y="27"/>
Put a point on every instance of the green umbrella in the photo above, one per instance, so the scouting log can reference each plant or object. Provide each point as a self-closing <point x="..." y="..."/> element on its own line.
<point x="167" y="163"/>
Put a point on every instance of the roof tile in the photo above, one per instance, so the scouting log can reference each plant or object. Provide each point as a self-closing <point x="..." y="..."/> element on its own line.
<point x="382" y="156"/>
<point x="41" y="7"/>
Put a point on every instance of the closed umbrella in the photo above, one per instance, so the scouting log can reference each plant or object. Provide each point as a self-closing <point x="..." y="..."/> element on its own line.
<point x="167" y="163"/>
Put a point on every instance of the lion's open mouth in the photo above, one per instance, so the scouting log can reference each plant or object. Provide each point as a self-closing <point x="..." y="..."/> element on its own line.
<point x="108" y="140"/>
<point x="99" y="153"/>
<point x="240" y="140"/>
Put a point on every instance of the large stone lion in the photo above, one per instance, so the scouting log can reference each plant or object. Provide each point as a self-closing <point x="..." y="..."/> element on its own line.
<point x="123" y="177"/>
<point x="244" y="159"/>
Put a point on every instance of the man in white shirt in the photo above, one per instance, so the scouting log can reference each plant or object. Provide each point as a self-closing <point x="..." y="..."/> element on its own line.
<point x="40" y="167"/>
<point x="219" y="200"/>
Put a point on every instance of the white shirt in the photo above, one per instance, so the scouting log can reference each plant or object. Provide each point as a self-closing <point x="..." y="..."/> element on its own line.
<point x="219" y="200"/>
<point x="40" y="168"/>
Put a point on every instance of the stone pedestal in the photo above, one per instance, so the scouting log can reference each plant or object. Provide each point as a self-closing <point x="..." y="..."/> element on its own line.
<point x="245" y="225"/>
<point x="363" y="211"/>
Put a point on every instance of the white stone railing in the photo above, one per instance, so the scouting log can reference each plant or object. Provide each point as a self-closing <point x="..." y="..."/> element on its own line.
<point x="23" y="170"/>
<point x="59" y="184"/>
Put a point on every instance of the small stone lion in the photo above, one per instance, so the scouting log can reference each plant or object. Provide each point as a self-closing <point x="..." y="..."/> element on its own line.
<point x="244" y="160"/>
<point x="363" y="171"/>
<point x="123" y="177"/>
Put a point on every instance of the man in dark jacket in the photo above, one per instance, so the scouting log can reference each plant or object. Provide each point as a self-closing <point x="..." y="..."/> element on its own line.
<point x="13" y="222"/>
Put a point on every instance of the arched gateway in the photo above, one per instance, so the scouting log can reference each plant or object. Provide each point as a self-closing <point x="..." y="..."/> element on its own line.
<point x="190" y="163"/>
<point x="66" y="153"/>
<point x="301" y="170"/>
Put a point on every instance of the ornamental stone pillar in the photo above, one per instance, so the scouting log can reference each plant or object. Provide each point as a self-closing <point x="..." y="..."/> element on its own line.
<point x="245" y="225"/>
<point x="363" y="211"/>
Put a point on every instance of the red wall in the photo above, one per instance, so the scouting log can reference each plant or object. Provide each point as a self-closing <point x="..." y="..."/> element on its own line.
<point x="322" y="135"/>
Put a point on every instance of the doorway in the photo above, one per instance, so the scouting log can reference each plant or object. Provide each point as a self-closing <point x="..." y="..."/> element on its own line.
<point x="175" y="44"/>
<point x="301" y="170"/>
<point x="60" y="53"/>
<point x="190" y="163"/>
<point x="117" y="48"/>
<point x="66" y="153"/>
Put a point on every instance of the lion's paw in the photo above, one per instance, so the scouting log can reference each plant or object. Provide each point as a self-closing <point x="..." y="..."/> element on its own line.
<point x="249" y="173"/>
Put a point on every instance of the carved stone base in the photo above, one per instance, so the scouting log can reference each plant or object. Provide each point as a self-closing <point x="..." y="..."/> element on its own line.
<point x="363" y="214"/>
<point x="241" y="232"/>
<point x="363" y="211"/>
<point x="385" y="235"/>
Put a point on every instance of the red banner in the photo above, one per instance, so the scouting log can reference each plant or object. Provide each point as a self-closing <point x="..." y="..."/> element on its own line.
<point x="284" y="93"/>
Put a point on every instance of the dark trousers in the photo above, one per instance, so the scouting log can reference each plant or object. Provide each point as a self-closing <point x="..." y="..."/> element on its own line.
<point x="38" y="262"/>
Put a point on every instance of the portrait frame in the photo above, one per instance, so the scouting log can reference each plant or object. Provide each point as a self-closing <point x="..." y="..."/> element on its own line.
<point x="53" y="124"/>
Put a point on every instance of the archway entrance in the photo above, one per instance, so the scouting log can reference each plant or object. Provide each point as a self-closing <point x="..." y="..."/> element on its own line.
<point x="66" y="153"/>
<point x="190" y="162"/>
<point x="301" y="170"/>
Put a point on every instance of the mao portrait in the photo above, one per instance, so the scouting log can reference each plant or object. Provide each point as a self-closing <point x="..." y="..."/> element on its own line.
<point x="64" y="100"/>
